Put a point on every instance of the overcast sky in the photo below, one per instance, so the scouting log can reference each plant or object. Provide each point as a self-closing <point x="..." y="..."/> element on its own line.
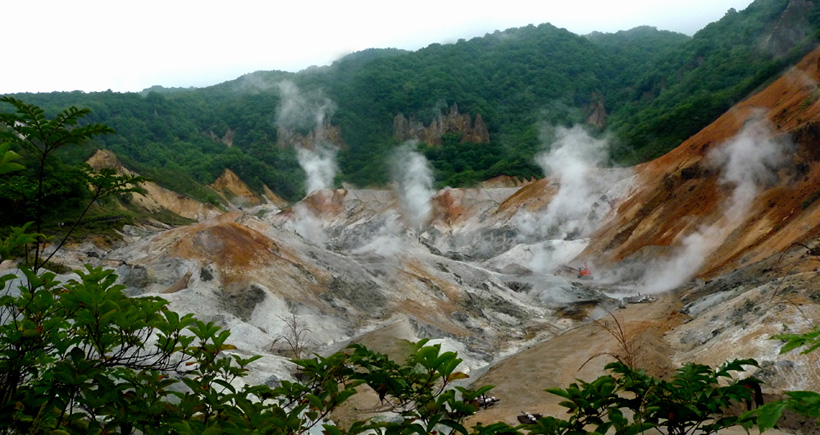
<point x="58" y="45"/>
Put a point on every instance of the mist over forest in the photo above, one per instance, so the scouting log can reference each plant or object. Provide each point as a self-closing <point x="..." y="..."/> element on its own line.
<point x="645" y="89"/>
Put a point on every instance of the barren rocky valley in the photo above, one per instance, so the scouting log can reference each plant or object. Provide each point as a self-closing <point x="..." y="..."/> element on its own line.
<point x="701" y="255"/>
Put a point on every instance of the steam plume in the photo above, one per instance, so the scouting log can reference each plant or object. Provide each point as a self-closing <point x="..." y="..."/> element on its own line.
<point x="412" y="172"/>
<point x="308" y="225"/>
<point x="319" y="165"/>
<point x="387" y="241"/>
<point x="298" y="112"/>
<point x="574" y="154"/>
<point x="301" y="112"/>
<point x="748" y="162"/>
<point x="569" y="161"/>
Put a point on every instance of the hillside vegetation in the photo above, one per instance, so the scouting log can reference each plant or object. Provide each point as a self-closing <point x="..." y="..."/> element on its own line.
<point x="650" y="89"/>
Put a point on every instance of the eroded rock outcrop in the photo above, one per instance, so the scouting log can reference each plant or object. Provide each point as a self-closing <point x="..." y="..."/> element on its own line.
<point x="234" y="190"/>
<point x="226" y="139"/>
<point x="453" y="122"/>
<point x="792" y="27"/>
<point x="596" y="111"/>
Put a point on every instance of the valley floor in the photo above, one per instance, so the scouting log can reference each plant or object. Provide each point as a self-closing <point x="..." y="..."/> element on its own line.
<point x="580" y="353"/>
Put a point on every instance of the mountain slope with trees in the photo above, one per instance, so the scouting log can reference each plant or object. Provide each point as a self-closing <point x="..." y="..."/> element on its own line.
<point x="650" y="88"/>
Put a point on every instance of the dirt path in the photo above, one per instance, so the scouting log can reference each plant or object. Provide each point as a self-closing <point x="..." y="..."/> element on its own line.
<point x="520" y="380"/>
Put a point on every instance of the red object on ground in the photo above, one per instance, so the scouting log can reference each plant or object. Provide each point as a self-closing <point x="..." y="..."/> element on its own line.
<point x="585" y="272"/>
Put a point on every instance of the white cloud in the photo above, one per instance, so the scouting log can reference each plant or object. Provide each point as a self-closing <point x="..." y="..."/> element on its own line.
<point x="94" y="45"/>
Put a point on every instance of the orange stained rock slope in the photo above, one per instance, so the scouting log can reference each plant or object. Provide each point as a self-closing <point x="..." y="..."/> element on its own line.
<point x="679" y="192"/>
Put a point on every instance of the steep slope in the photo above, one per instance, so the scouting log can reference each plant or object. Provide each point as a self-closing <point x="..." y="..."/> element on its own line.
<point x="686" y="191"/>
<point x="756" y="282"/>
<point x="156" y="197"/>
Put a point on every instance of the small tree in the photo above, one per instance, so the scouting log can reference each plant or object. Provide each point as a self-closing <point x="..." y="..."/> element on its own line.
<point x="28" y="129"/>
<point x="294" y="337"/>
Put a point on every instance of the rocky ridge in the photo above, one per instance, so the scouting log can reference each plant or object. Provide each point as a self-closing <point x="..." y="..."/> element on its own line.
<point x="156" y="197"/>
<point x="233" y="190"/>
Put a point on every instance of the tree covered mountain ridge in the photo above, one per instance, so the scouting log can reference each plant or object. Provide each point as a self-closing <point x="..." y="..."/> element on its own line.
<point x="646" y="89"/>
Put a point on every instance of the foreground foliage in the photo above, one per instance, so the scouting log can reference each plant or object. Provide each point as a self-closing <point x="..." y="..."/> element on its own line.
<point x="630" y="402"/>
<point x="81" y="357"/>
<point x="806" y="403"/>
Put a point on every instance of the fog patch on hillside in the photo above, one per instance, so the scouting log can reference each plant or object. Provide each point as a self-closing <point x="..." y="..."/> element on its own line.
<point x="299" y="111"/>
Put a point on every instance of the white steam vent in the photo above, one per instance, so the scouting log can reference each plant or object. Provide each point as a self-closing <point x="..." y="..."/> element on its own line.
<point x="414" y="177"/>
<point x="748" y="163"/>
<point x="298" y="112"/>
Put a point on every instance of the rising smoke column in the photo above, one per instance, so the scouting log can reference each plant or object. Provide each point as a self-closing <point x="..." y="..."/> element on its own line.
<point x="570" y="161"/>
<point x="298" y="112"/>
<point x="414" y="177"/>
<point x="748" y="162"/>
<point x="319" y="165"/>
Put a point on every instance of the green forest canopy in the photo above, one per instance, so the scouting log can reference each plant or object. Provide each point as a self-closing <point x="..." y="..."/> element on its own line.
<point x="656" y="87"/>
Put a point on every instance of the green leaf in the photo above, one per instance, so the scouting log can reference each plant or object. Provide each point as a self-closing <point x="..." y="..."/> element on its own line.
<point x="7" y="159"/>
<point x="331" y="430"/>
<point x="558" y="392"/>
<point x="769" y="414"/>
<point x="315" y="402"/>
<point x="213" y="430"/>
<point x="457" y="427"/>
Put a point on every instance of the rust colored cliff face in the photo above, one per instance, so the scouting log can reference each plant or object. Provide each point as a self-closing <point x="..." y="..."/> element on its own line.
<point x="680" y="191"/>
<point x="234" y="190"/>
<point x="155" y="197"/>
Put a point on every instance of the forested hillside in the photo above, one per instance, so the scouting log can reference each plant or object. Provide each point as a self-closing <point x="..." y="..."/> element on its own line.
<point x="692" y="84"/>
<point x="649" y="88"/>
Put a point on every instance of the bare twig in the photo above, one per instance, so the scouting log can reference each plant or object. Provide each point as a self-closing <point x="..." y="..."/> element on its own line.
<point x="626" y="346"/>
<point x="294" y="337"/>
